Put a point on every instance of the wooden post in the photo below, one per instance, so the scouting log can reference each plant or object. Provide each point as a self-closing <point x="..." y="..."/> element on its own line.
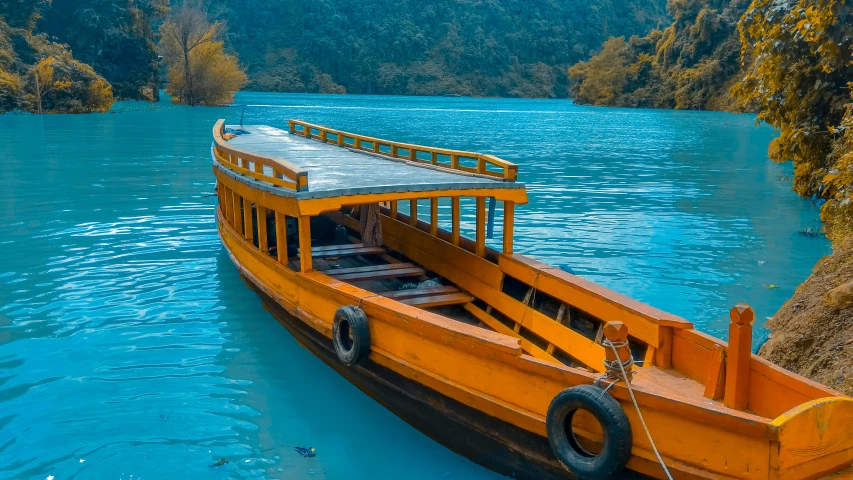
<point x="433" y="216"/>
<point x="455" y="210"/>
<point x="248" y="231"/>
<point x="236" y="203"/>
<point x="480" y="247"/>
<point x="715" y="380"/>
<point x="305" y="260"/>
<point x="434" y="158"/>
<point x="413" y="212"/>
<point x="393" y="209"/>
<point x="225" y="202"/>
<point x="663" y="353"/>
<point x="617" y="332"/>
<point x="739" y="357"/>
<point x="509" y="222"/>
<point x="281" y="238"/>
<point x="262" y="229"/>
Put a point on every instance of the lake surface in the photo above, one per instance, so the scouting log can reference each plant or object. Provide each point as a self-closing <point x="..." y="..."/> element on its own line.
<point x="131" y="349"/>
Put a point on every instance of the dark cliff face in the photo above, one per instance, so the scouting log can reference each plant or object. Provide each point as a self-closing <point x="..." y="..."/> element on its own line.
<point x="812" y="334"/>
<point x="489" y="48"/>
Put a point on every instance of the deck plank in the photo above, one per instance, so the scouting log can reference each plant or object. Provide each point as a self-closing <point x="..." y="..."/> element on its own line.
<point x="336" y="171"/>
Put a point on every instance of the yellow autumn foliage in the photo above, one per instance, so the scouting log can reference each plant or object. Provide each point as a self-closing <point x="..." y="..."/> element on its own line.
<point x="200" y="72"/>
<point x="688" y="65"/>
<point x="797" y="59"/>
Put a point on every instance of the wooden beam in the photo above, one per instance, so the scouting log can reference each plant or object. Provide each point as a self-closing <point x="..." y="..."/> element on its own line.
<point x="262" y="229"/>
<point x="281" y="237"/>
<point x="413" y="212"/>
<point x="394" y="209"/>
<point x="433" y="216"/>
<point x="509" y="222"/>
<point x="715" y="382"/>
<point x="480" y="248"/>
<point x="236" y="203"/>
<point x="305" y="261"/>
<point x="225" y="202"/>
<point x="248" y="231"/>
<point x="455" y="210"/>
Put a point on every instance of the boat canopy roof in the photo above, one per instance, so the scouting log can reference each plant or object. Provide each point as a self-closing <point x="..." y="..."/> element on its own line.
<point x="295" y="164"/>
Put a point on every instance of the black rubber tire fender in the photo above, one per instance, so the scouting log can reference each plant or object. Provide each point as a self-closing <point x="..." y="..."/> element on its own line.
<point x="616" y="448"/>
<point x="351" y="335"/>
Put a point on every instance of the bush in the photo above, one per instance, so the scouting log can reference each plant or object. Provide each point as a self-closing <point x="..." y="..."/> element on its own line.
<point x="63" y="85"/>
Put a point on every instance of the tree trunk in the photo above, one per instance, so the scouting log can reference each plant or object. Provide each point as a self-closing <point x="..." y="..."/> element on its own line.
<point x="188" y="87"/>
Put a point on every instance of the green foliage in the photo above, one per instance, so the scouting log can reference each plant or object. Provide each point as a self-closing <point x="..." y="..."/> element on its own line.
<point x="41" y="76"/>
<point x="689" y="65"/>
<point x="467" y="47"/>
<point x="200" y="72"/>
<point x="115" y="37"/>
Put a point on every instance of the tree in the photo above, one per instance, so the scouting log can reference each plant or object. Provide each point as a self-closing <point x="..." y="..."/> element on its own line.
<point x="690" y="64"/>
<point x="200" y="72"/>
<point x="115" y="37"/>
<point x="797" y="57"/>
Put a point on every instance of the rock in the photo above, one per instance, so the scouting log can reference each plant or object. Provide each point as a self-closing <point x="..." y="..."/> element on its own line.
<point x="841" y="295"/>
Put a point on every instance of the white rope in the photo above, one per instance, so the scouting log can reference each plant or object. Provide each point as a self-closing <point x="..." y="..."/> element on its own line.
<point x="610" y="372"/>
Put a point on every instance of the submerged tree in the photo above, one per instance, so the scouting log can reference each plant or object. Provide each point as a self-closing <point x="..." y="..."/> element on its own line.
<point x="200" y="72"/>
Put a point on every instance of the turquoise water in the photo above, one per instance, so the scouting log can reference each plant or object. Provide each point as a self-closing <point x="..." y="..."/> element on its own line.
<point x="130" y="348"/>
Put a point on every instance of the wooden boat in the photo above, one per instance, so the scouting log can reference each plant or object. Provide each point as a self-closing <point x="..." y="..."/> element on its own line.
<point x="489" y="352"/>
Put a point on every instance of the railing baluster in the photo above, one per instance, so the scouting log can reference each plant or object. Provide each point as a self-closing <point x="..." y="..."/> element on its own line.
<point x="262" y="228"/>
<point x="433" y="216"/>
<point x="480" y="234"/>
<point x="413" y="212"/>
<point x="455" y="214"/>
<point x="281" y="238"/>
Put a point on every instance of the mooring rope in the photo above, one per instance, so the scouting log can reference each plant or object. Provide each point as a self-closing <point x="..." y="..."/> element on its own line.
<point x="615" y="370"/>
<point x="611" y="372"/>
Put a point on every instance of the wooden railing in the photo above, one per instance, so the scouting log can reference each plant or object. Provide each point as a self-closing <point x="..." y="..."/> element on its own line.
<point x="267" y="169"/>
<point x="470" y="162"/>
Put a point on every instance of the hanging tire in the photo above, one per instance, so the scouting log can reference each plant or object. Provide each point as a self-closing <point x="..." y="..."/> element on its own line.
<point x="616" y="448"/>
<point x="351" y="335"/>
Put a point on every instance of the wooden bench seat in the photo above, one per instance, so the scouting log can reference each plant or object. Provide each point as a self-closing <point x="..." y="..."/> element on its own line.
<point x="375" y="272"/>
<point x="351" y="250"/>
<point x="441" y="300"/>
<point x="419" y="292"/>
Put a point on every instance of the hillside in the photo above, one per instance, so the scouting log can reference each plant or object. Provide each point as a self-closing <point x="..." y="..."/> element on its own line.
<point x="490" y="48"/>
<point x="691" y="64"/>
